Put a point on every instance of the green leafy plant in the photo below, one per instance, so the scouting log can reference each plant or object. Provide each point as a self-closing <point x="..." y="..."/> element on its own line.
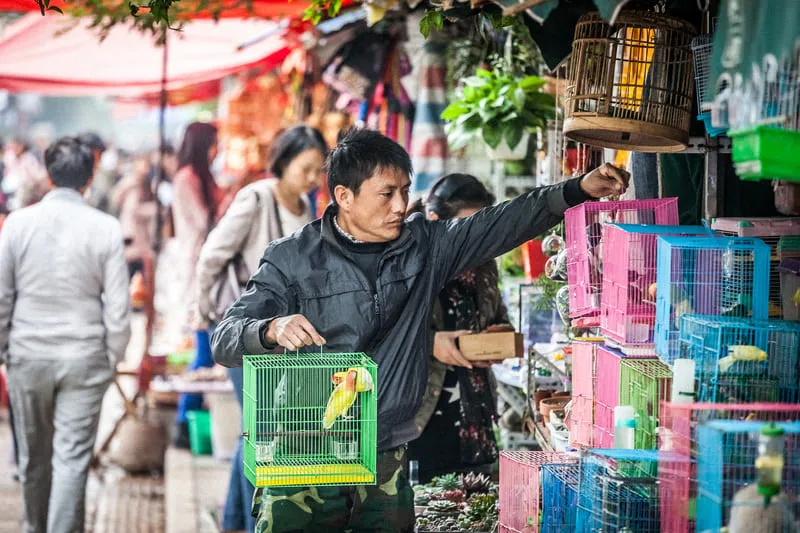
<point x="547" y="299"/>
<point x="433" y="20"/>
<point x="449" y="482"/>
<point x="319" y="9"/>
<point x="497" y="106"/>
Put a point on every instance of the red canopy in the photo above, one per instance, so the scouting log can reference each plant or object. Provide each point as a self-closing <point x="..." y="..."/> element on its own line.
<point x="128" y="63"/>
<point x="268" y="9"/>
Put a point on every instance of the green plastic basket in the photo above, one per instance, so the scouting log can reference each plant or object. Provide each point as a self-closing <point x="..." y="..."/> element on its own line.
<point x="286" y="443"/>
<point x="644" y="384"/>
<point x="199" y="432"/>
<point x="766" y="153"/>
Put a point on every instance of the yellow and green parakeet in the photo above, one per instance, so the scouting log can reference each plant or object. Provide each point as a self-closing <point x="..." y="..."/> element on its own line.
<point x="741" y="353"/>
<point x="341" y="399"/>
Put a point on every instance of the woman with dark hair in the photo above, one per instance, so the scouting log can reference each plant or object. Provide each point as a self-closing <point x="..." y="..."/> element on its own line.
<point x="261" y="212"/>
<point x="458" y="409"/>
<point x="195" y="201"/>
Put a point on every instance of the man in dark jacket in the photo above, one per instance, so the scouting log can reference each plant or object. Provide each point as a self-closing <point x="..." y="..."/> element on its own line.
<point x="361" y="279"/>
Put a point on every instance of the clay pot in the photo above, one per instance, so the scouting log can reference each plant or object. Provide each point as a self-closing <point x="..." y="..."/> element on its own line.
<point x="540" y="395"/>
<point x="550" y="404"/>
<point x="561" y="394"/>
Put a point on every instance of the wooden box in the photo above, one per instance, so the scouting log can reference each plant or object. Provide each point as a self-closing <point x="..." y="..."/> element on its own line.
<point x="492" y="346"/>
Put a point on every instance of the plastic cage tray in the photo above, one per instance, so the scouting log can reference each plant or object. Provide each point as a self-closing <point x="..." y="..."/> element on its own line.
<point x="766" y="153"/>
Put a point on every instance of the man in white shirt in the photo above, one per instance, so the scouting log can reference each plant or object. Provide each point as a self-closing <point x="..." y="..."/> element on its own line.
<point x="64" y="325"/>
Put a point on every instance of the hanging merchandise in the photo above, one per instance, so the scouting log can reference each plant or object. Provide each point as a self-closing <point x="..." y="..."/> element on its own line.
<point x="391" y="110"/>
<point x="552" y="244"/>
<point x="630" y="85"/>
<point x="358" y="66"/>
<point x="755" y="57"/>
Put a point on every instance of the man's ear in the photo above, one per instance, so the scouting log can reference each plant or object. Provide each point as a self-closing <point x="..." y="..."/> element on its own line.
<point x="433" y="216"/>
<point x="344" y="198"/>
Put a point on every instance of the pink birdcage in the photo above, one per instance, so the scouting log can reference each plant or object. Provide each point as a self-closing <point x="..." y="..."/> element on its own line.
<point x="581" y="427"/>
<point x="520" y="492"/>
<point x="678" y="443"/>
<point x="584" y="235"/>
<point x="628" y="303"/>
<point x="607" y="379"/>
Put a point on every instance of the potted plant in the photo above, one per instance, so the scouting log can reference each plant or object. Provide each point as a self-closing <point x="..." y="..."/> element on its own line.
<point x="501" y="109"/>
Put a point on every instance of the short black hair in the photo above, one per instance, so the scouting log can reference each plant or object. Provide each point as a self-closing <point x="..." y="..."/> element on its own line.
<point x="69" y="163"/>
<point x="92" y="140"/>
<point x="454" y="192"/>
<point x="359" y="155"/>
<point x="291" y="143"/>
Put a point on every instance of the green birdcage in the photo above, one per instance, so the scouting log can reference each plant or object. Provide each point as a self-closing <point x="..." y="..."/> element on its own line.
<point x="644" y="384"/>
<point x="310" y="419"/>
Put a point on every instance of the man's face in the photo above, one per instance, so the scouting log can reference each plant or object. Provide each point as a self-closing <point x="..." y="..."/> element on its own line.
<point x="376" y="213"/>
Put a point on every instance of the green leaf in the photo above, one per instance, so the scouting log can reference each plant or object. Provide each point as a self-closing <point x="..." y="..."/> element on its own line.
<point x="532" y="83"/>
<point x="453" y="111"/>
<point x="432" y="20"/>
<point x="492" y="135"/>
<point x="513" y="135"/>
<point x="474" y="81"/>
<point x="470" y="94"/>
<point x="519" y="99"/>
<point x="483" y="73"/>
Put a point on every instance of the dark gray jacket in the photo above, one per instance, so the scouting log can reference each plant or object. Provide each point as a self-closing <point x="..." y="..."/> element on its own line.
<point x="311" y="274"/>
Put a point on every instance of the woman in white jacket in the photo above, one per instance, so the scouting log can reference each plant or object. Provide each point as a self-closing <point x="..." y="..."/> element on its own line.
<point x="260" y="213"/>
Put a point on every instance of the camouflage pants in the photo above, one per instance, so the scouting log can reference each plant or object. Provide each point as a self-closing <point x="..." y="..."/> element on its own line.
<point x="385" y="507"/>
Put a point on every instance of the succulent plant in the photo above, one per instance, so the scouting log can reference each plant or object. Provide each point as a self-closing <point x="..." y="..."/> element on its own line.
<point x="481" y="513"/>
<point x="443" y="506"/>
<point x="422" y="498"/>
<point x="449" y="482"/>
<point x="475" y="483"/>
<point x="457" y="496"/>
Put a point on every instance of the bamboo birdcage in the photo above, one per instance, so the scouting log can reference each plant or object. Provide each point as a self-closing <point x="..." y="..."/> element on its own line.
<point x="630" y="85"/>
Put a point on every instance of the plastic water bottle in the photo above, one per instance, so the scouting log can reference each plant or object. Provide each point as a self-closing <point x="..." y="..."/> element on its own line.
<point x="624" y="427"/>
<point x="413" y="473"/>
<point x="683" y="381"/>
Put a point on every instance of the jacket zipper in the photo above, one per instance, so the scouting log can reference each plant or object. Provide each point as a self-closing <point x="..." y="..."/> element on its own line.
<point x="377" y="307"/>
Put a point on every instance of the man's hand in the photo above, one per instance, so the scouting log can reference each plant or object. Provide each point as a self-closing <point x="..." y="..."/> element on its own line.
<point x="293" y="332"/>
<point x="605" y="180"/>
<point x="446" y="351"/>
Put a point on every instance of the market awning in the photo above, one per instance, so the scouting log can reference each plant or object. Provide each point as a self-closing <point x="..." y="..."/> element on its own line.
<point x="265" y="9"/>
<point x="36" y="57"/>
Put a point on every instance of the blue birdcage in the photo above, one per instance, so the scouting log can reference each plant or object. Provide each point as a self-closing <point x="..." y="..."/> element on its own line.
<point x="727" y="474"/>
<point x="740" y="360"/>
<point x="720" y="276"/>
<point x="618" y="492"/>
<point x="559" y="497"/>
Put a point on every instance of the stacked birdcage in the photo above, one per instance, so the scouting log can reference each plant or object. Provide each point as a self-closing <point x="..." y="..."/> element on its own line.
<point x="731" y="490"/>
<point x="584" y="235"/>
<point x="764" y="116"/>
<point x="310" y="419"/>
<point x="702" y="52"/>
<point x="618" y="491"/>
<point x="644" y="384"/>
<point x="607" y="378"/>
<point x="581" y="428"/>
<point x="722" y="276"/>
<point x="771" y="231"/>
<point x="559" y="497"/>
<point x="628" y="304"/>
<point x="520" y="493"/>
<point x="678" y="438"/>
<point x="630" y="84"/>
<point x="743" y="360"/>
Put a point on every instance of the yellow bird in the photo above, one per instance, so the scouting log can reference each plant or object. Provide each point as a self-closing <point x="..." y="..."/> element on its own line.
<point x="741" y="353"/>
<point x="341" y="399"/>
<point x="364" y="381"/>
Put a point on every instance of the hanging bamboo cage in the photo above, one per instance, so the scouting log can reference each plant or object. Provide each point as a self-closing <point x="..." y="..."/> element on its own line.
<point x="630" y="85"/>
